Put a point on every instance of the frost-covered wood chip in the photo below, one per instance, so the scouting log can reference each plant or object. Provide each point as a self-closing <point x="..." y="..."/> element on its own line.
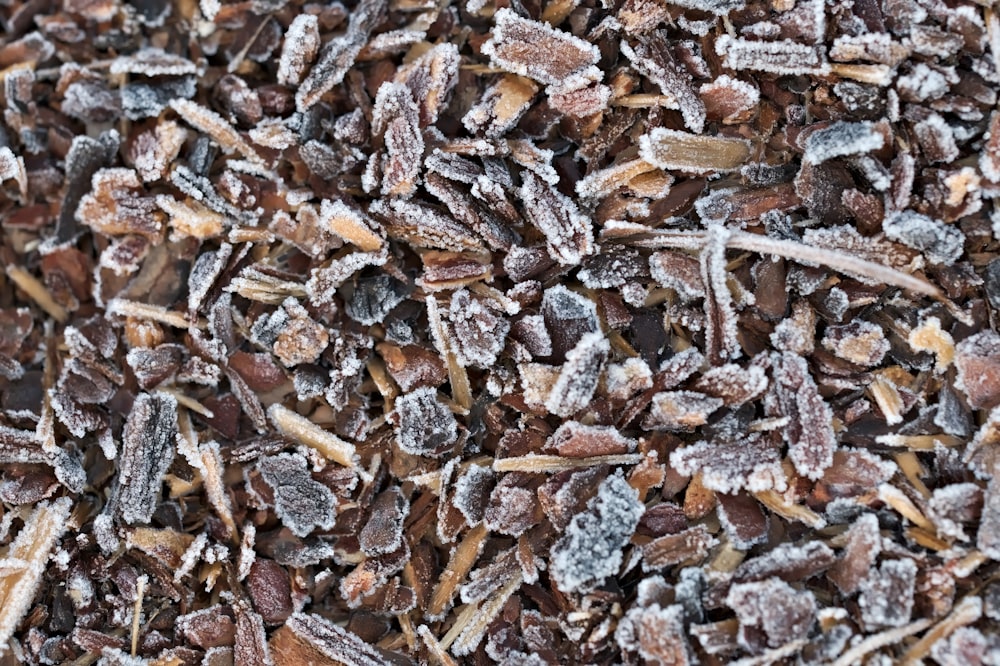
<point x="215" y="126"/>
<point x="305" y="431"/>
<point x="337" y="56"/>
<point x="26" y="560"/>
<point x="842" y="138"/>
<point x="533" y="49"/>
<point x="590" y="550"/>
<point x="671" y="149"/>
<point x="523" y="333"/>
<point x="567" y="230"/>
<point x="147" y="451"/>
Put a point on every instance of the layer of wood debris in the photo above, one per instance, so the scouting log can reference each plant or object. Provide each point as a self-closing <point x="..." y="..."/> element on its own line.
<point x="554" y="331"/>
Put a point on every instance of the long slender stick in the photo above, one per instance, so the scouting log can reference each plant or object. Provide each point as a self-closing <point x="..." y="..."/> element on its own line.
<point x="840" y="261"/>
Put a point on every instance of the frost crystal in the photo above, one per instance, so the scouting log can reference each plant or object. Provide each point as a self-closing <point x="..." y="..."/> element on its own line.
<point x="579" y="376"/>
<point x="301" y="503"/>
<point x="567" y="230"/>
<point x="886" y="598"/>
<point x="842" y="138"/>
<point x="540" y="52"/>
<point x="299" y="50"/>
<point x="754" y="464"/>
<point x="941" y="243"/>
<point x="147" y="451"/>
<point x="591" y="548"/>
<point x="426" y="427"/>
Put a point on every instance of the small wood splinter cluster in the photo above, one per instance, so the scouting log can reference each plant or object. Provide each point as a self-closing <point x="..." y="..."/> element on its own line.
<point x="553" y="332"/>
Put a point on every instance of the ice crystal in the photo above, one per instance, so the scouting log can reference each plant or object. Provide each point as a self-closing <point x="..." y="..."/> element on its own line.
<point x="591" y="548"/>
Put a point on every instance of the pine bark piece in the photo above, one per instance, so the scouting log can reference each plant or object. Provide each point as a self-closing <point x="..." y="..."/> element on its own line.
<point x="590" y="550"/>
<point x="653" y="58"/>
<point x="810" y="434"/>
<point x="567" y="230"/>
<point x="540" y="52"/>
<point x="337" y="57"/>
<point x="147" y="451"/>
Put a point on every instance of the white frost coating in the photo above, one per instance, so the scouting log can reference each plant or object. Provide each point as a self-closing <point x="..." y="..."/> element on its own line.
<point x="886" y="598"/>
<point x="754" y="465"/>
<point x="301" y="503"/>
<point x="153" y="62"/>
<point x="936" y="133"/>
<point x="568" y="232"/>
<point x="783" y="57"/>
<point x="950" y="506"/>
<point x="579" y="376"/>
<point x="672" y="81"/>
<point x="560" y="303"/>
<point x="506" y="21"/>
<point x="628" y="378"/>
<point x="31" y="550"/>
<point x="479" y="334"/>
<point x="717" y="7"/>
<point x="299" y="50"/>
<point x="842" y="138"/>
<point x="591" y="548"/>
<point x="425" y="424"/>
<point x="922" y="83"/>
<point x="940" y="243"/>
<point x="747" y="91"/>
